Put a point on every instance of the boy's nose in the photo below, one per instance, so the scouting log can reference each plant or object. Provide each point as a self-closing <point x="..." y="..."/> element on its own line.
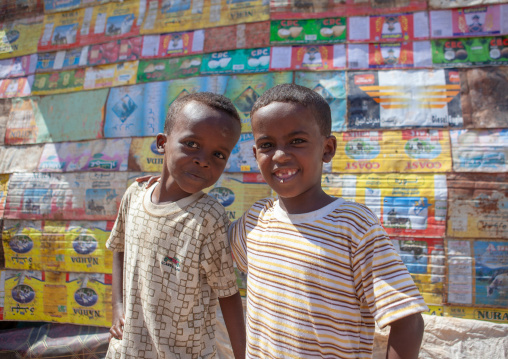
<point x="202" y="161"/>
<point x="281" y="155"/>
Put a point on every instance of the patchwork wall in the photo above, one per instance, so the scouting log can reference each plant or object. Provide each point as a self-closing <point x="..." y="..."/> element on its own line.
<point x="418" y="92"/>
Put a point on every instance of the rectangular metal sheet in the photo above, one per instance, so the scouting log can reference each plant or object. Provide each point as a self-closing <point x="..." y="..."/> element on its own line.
<point x="298" y="9"/>
<point x="173" y="44"/>
<point x="477" y="271"/>
<point x="393" y="55"/>
<point x="58" y="246"/>
<point x="446" y="4"/>
<point x="68" y="117"/>
<point x="425" y="260"/>
<point x="239" y="36"/>
<point x="393" y="151"/>
<point x="18" y="66"/>
<point x="332" y="86"/>
<point x="111" y="75"/>
<point x="93" y="25"/>
<point x="143" y="155"/>
<point x="244" y="90"/>
<point x="308" y="31"/>
<point x="236" y="61"/>
<point x="308" y="57"/>
<point x="4" y="184"/>
<point x="197" y="14"/>
<point x="18" y="87"/>
<point x="19" y="158"/>
<point x="412" y="205"/>
<point x="478" y="205"/>
<point x="19" y="37"/>
<point x="97" y="155"/>
<point x="58" y="82"/>
<point x="62" y="60"/>
<point x="78" y="298"/>
<point x="5" y="110"/>
<point x="389" y="28"/>
<point x="140" y="110"/>
<point x="398" y="99"/>
<point x="241" y="158"/>
<point x="467" y="22"/>
<point x="66" y="5"/>
<point x="115" y="51"/>
<point x="237" y="192"/>
<point x="70" y="196"/>
<point x="483" y="94"/>
<point x="168" y="69"/>
<point x="469" y="52"/>
<point x="480" y="150"/>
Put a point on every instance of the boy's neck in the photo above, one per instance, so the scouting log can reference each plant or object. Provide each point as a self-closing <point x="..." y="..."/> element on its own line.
<point x="161" y="194"/>
<point x="295" y="206"/>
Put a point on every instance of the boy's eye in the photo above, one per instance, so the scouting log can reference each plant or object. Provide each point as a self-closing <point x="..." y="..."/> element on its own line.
<point x="265" y="145"/>
<point x="220" y="155"/>
<point x="297" y="141"/>
<point x="191" y="144"/>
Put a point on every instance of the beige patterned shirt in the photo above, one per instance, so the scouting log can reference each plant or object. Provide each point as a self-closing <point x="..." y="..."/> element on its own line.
<point x="177" y="263"/>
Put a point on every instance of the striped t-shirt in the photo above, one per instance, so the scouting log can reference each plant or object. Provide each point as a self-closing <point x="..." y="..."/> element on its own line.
<point x="318" y="281"/>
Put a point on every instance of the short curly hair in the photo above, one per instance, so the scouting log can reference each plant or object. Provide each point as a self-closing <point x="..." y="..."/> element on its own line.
<point x="213" y="100"/>
<point x="292" y="93"/>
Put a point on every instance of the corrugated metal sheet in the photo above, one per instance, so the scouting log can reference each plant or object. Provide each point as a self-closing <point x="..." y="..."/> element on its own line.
<point x="78" y="196"/>
<point x="19" y="158"/>
<point x="478" y="205"/>
<point x="5" y="109"/>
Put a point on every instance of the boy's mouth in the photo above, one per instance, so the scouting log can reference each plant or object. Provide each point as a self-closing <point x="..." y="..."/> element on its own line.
<point x="285" y="174"/>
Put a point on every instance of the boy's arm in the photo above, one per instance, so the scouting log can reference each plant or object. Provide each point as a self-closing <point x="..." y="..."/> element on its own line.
<point x="405" y="337"/>
<point x="116" y="330"/>
<point x="232" y="311"/>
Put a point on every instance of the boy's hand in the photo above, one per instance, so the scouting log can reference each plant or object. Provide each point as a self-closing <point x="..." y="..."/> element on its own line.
<point x="116" y="330"/>
<point x="151" y="180"/>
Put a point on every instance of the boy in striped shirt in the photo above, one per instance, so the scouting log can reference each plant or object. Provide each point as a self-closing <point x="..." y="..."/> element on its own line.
<point x="321" y="270"/>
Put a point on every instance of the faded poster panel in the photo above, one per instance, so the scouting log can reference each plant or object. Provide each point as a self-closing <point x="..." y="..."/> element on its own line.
<point x="5" y="110"/>
<point x="425" y="260"/>
<point x="20" y="37"/>
<point x="237" y="37"/>
<point x="19" y="158"/>
<point x="236" y="61"/>
<point x="144" y="156"/>
<point x="17" y="87"/>
<point x="309" y="31"/>
<point x="244" y="90"/>
<point x="83" y="196"/>
<point x="477" y="272"/>
<point x="57" y="246"/>
<point x="484" y="94"/>
<point x="197" y="14"/>
<point x="406" y="204"/>
<point x="478" y="205"/>
<point x="445" y="4"/>
<point x="18" y="66"/>
<point x="173" y="44"/>
<point x="24" y="121"/>
<point x="392" y="151"/>
<point x="4" y="184"/>
<point x="332" y="86"/>
<point x="59" y="82"/>
<point x="480" y="150"/>
<point x="115" y="51"/>
<point x="111" y="75"/>
<point x="308" y="57"/>
<point x="238" y="192"/>
<point x="298" y="9"/>
<point x="97" y="155"/>
<point x="242" y="159"/>
<point x="71" y="117"/>
<point x="398" y="99"/>
<point x="168" y="69"/>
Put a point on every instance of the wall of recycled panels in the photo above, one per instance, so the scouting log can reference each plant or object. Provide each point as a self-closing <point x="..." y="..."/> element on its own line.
<point x="419" y="99"/>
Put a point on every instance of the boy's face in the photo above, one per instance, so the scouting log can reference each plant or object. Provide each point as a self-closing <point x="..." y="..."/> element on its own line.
<point x="197" y="149"/>
<point x="290" y="151"/>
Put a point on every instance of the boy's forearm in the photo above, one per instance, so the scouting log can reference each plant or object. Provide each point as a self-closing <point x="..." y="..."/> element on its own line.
<point x="405" y="337"/>
<point x="232" y="311"/>
<point x="117" y="285"/>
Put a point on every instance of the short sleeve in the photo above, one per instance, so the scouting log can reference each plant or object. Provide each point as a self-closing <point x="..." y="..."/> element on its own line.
<point x="382" y="281"/>
<point x="216" y="260"/>
<point x="116" y="240"/>
<point x="237" y="237"/>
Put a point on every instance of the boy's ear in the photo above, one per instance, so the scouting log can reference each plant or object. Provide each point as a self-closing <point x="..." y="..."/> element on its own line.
<point x="254" y="151"/>
<point x="160" y="141"/>
<point x="329" y="148"/>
